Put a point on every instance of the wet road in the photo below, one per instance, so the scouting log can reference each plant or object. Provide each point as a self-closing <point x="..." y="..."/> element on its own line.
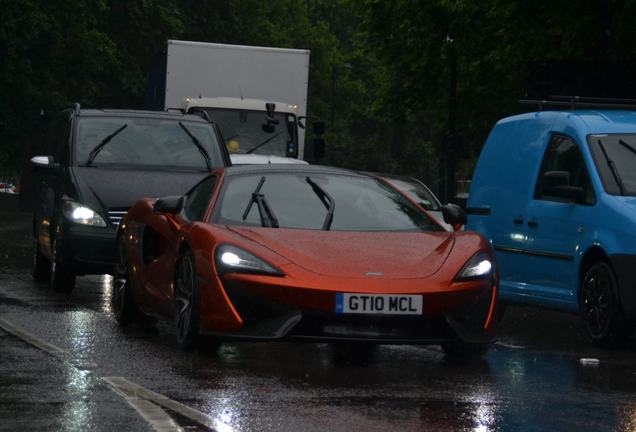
<point x="65" y="365"/>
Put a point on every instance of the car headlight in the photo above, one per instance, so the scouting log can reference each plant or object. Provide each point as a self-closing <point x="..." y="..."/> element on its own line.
<point x="479" y="266"/>
<point x="78" y="213"/>
<point x="231" y="259"/>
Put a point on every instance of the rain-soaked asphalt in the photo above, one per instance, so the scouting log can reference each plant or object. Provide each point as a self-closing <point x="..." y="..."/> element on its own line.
<point x="65" y="365"/>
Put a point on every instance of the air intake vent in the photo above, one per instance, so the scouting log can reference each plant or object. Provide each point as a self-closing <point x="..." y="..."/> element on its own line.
<point x="115" y="215"/>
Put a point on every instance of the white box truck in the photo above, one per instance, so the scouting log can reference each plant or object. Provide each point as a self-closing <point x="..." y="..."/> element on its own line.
<point x="256" y="95"/>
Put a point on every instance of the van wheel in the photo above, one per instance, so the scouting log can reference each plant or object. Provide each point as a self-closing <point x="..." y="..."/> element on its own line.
<point x="186" y="302"/>
<point x="61" y="278"/>
<point x="41" y="265"/>
<point x="599" y="307"/>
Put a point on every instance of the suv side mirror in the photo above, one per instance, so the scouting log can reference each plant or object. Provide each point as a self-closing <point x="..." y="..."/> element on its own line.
<point x="454" y="215"/>
<point x="45" y="164"/>
<point x="169" y="204"/>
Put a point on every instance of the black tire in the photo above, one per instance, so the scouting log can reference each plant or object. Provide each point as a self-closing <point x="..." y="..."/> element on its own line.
<point x="122" y="304"/>
<point x="61" y="279"/>
<point x="41" y="265"/>
<point x="464" y="350"/>
<point x="186" y="302"/>
<point x="600" y="309"/>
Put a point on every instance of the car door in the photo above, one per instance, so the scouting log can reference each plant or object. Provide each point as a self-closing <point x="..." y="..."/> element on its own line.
<point x="160" y="243"/>
<point x="555" y="222"/>
<point x="50" y="183"/>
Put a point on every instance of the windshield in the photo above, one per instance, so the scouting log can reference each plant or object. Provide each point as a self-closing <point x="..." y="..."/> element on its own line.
<point x="318" y="201"/>
<point x="249" y="132"/>
<point x="146" y="142"/>
<point x="615" y="159"/>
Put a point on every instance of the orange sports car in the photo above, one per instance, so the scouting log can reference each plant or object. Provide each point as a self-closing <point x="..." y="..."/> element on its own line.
<point x="305" y="252"/>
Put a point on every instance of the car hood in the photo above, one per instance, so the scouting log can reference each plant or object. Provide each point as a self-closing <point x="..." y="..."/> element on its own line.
<point x="400" y="255"/>
<point x="103" y="188"/>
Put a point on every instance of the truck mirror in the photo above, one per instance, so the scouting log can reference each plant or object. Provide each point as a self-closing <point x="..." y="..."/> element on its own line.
<point x="270" y="107"/>
<point x="319" y="128"/>
<point x="268" y="128"/>
<point x="319" y="148"/>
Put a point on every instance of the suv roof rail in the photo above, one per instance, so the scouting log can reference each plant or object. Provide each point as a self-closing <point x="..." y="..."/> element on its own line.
<point x="75" y="106"/>
<point x="574" y="102"/>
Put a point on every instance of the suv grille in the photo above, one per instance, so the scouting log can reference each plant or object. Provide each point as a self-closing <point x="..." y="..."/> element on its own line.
<point x="115" y="215"/>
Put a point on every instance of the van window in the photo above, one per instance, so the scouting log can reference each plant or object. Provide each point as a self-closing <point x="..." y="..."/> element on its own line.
<point x="563" y="166"/>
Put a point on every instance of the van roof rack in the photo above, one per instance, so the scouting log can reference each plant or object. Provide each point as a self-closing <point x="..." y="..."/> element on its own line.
<point x="574" y="102"/>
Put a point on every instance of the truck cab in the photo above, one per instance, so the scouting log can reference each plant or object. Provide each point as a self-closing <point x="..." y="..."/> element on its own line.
<point x="253" y="126"/>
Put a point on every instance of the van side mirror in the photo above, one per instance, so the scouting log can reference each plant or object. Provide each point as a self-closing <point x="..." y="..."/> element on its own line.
<point x="169" y="204"/>
<point x="454" y="215"/>
<point x="557" y="184"/>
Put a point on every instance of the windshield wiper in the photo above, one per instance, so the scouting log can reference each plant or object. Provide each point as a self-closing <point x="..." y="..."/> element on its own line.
<point x="93" y="154"/>
<point x="627" y="146"/>
<point x="197" y="143"/>
<point x="612" y="167"/>
<point x="264" y="211"/>
<point x="326" y="199"/>
<point x="263" y="143"/>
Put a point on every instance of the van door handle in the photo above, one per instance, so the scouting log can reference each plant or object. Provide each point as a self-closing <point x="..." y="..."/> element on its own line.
<point x="518" y="220"/>
<point x="533" y="223"/>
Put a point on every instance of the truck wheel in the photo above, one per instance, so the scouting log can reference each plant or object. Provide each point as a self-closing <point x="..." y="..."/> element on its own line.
<point x="600" y="308"/>
<point x="41" y="265"/>
<point x="61" y="278"/>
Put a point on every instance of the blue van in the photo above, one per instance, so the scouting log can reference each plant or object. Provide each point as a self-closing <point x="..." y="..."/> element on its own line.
<point x="555" y="192"/>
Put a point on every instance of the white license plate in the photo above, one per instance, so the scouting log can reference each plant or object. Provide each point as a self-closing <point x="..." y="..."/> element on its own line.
<point x="385" y="304"/>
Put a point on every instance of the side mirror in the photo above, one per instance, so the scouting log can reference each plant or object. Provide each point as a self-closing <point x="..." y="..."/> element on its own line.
<point x="319" y="128"/>
<point x="319" y="148"/>
<point x="270" y="107"/>
<point x="454" y="215"/>
<point x="45" y="164"/>
<point x="169" y="204"/>
<point x="268" y="128"/>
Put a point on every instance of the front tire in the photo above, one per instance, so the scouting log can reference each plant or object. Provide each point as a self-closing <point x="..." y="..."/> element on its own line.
<point x="121" y="298"/>
<point x="600" y="309"/>
<point x="186" y="302"/>
<point x="61" y="278"/>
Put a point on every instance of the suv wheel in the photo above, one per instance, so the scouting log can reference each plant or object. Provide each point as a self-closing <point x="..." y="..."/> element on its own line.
<point x="61" y="279"/>
<point x="599" y="306"/>
<point x="40" y="268"/>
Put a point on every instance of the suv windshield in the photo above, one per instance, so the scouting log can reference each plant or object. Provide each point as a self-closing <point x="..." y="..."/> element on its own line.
<point x="318" y="201"/>
<point x="146" y="142"/>
<point x="249" y="132"/>
<point x="615" y="159"/>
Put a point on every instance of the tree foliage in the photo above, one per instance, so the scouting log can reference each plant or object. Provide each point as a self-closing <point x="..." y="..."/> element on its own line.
<point x="379" y="72"/>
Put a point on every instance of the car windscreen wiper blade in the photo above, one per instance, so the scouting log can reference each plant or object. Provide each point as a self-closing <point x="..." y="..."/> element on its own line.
<point x="264" y="142"/>
<point x="612" y="167"/>
<point x="627" y="146"/>
<point x="326" y="199"/>
<point x="93" y="154"/>
<point x="197" y="143"/>
<point x="268" y="219"/>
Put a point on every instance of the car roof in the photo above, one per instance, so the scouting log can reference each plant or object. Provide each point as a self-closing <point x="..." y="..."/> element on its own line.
<point x="289" y="168"/>
<point x="175" y="115"/>
<point x="599" y="121"/>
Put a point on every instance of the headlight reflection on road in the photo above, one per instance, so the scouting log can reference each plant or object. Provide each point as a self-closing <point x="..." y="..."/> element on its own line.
<point x="106" y="282"/>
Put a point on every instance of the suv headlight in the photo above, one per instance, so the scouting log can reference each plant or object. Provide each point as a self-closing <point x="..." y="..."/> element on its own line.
<point x="479" y="266"/>
<point x="230" y="259"/>
<point x="80" y="214"/>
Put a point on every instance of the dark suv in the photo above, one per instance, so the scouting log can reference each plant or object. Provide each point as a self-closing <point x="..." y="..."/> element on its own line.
<point x="97" y="165"/>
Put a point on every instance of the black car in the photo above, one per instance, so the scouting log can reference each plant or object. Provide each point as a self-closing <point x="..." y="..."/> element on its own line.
<point x="97" y="165"/>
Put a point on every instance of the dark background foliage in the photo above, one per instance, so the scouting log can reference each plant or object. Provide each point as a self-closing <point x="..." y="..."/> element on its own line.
<point x="379" y="77"/>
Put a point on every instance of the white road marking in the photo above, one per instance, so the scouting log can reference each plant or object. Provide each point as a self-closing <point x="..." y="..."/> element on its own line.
<point x="146" y="402"/>
<point x="131" y="389"/>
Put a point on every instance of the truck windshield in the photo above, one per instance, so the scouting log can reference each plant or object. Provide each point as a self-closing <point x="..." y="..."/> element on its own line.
<point x="317" y="201"/>
<point x="246" y="131"/>
<point x="615" y="159"/>
<point x="146" y="142"/>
